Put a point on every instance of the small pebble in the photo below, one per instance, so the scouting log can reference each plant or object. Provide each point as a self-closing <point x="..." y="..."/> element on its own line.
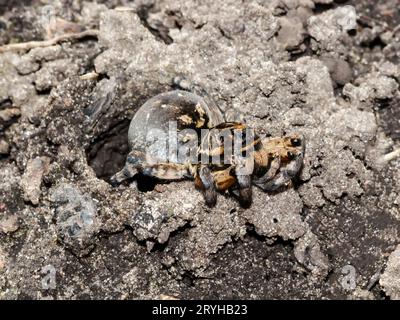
<point x="9" y="224"/>
<point x="4" y="147"/>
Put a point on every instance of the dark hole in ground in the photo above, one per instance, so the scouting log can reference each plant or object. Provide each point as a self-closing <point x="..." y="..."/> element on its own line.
<point x="321" y="7"/>
<point x="107" y="154"/>
<point x="389" y="117"/>
<point x="145" y="183"/>
<point x="375" y="43"/>
<point x="160" y="31"/>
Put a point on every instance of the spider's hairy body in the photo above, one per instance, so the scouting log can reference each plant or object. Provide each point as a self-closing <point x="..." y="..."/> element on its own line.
<point x="229" y="156"/>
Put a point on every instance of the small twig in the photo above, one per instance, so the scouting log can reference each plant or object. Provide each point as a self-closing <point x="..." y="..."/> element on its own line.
<point x="374" y="280"/>
<point x="167" y="297"/>
<point x="48" y="43"/>
<point x="390" y="156"/>
<point x="396" y="29"/>
<point x="89" y="76"/>
<point x="382" y="23"/>
<point x="122" y="9"/>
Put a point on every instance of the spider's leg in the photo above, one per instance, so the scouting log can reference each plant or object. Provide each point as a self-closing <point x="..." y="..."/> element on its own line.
<point x="243" y="171"/>
<point x="285" y="174"/>
<point x="205" y="182"/>
<point x="293" y="168"/>
<point x="271" y="173"/>
<point x="245" y="192"/>
<point x="166" y="171"/>
<point x="132" y="166"/>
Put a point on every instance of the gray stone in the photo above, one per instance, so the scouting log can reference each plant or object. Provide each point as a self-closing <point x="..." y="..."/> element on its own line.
<point x="372" y="87"/>
<point x="9" y="224"/>
<point x="4" y="147"/>
<point x="390" y="280"/>
<point x="327" y="28"/>
<point x="76" y="218"/>
<point x="291" y="33"/>
<point x="32" y="178"/>
<point x="339" y="69"/>
<point x="308" y="252"/>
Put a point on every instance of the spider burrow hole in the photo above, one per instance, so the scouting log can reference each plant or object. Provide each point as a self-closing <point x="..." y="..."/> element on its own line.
<point x="107" y="152"/>
<point x="107" y="155"/>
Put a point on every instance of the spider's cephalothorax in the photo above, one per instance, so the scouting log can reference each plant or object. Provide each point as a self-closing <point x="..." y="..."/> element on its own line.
<point x="232" y="157"/>
<point x="218" y="155"/>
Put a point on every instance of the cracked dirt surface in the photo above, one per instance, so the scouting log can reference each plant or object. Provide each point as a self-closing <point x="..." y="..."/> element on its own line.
<point x="320" y="68"/>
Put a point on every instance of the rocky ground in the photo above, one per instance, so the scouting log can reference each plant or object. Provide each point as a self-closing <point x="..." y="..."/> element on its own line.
<point x="327" y="69"/>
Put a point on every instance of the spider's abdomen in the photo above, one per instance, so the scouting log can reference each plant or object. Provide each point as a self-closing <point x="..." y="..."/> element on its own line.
<point x="170" y="111"/>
